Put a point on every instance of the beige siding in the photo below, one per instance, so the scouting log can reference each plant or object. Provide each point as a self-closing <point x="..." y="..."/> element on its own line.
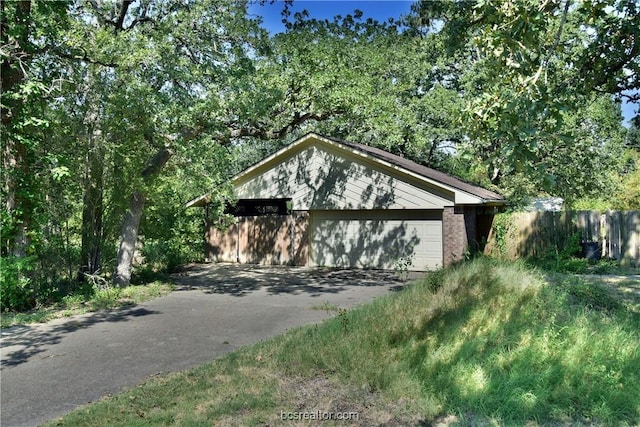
<point x="327" y="178"/>
<point x="376" y="239"/>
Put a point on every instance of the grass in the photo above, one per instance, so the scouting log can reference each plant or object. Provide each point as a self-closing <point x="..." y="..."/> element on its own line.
<point x="563" y="263"/>
<point x="84" y="302"/>
<point x="476" y="344"/>
<point x="615" y="291"/>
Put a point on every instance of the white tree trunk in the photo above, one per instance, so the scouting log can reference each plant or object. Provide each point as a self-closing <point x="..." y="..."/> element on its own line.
<point x="128" y="236"/>
<point x="131" y="222"/>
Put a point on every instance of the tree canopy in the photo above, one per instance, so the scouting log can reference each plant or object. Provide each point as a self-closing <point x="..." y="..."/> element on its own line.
<point x="531" y="67"/>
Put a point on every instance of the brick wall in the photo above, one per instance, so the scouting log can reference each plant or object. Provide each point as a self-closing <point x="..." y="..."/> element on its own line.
<point x="459" y="231"/>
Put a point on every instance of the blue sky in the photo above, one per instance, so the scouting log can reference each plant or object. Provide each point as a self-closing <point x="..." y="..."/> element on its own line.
<point x="327" y="9"/>
<point x="380" y="10"/>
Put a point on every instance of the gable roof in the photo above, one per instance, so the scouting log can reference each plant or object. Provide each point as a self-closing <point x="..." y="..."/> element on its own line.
<point x="465" y="192"/>
<point x="423" y="171"/>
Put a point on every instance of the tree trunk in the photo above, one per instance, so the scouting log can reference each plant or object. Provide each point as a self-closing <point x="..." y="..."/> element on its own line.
<point x="432" y="151"/>
<point x="91" y="252"/>
<point x="16" y="162"/>
<point x="494" y="173"/>
<point x="131" y="222"/>
<point x="92" y="203"/>
<point x="128" y="238"/>
<point x="23" y="208"/>
<point x="19" y="208"/>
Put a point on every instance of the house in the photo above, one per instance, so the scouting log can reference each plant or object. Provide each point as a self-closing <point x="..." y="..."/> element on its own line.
<point x="321" y="201"/>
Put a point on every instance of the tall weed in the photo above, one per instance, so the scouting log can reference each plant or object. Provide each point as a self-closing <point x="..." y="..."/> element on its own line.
<point x="488" y="338"/>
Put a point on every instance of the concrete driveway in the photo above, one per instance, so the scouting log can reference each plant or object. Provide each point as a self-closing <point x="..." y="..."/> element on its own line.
<point x="50" y="369"/>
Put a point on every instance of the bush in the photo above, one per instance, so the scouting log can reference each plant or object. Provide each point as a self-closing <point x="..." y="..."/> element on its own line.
<point x="169" y="255"/>
<point x="564" y="259"/>
<point x="433" y="279"/>
<point x="16" y="290"/>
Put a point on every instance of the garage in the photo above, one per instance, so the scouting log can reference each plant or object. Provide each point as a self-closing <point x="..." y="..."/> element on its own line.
<point x="376" y="238"/>
<point x="322" y="201"/>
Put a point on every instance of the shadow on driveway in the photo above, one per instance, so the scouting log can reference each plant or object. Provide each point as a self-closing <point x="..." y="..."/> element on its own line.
<point x="32" y="340"/>
<point x="22" y="343"/>
<point x="50" y="369"/>
<point x="242" y="279"/>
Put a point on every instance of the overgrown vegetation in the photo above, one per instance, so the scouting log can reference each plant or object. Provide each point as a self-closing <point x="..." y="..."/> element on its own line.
<point x="568" y="257"/>
<point x="551" y="241"/>
<point x="86" y="299"/>
<point x="580" y="265"/>
<point x="483" y="342"/>
<point x="563" y="257"/>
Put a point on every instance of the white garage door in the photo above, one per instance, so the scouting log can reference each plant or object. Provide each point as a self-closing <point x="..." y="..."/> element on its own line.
<point x="376" y="238"/>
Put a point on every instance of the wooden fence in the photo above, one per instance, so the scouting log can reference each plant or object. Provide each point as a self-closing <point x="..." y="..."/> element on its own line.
<point x="521" y="234"/>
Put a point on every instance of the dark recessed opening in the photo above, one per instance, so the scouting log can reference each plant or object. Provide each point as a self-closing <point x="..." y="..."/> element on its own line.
<point x="260" y="207"/>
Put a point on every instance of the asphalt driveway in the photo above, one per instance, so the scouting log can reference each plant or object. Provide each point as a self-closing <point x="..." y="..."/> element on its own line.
<point x="50" y="369"/>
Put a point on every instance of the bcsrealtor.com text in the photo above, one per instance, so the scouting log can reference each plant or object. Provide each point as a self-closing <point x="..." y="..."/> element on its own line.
<point x="319" y="416"/>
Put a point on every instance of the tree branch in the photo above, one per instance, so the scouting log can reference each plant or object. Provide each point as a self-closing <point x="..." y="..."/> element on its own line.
<point x="84" y="57"/>
<point x="556" y="41"/>
<point x="631" y="97"/>
<point x="263" y="132"/>
<point x="123" y="13"/>
<point x="96" y="9"/>
<point x="156" y="163"/>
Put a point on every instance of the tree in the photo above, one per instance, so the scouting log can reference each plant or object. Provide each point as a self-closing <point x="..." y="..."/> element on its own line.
<point x="167" y="63"/>
<point x="632" y="139"/>
<point x="587" y="158"/>
<point x="27" y="34"/>
<point x="628" y="195"/>
<point x="528" y="63"/>
<point x="177" y="72"/>
<point x="140" y="81"/>
<point x="355" y="79"/>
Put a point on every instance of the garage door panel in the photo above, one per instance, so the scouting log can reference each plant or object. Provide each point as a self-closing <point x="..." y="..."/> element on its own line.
<point x="376" y="243"/>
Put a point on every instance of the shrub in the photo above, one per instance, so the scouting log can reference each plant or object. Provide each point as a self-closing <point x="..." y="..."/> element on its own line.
<point x="169" y="255"/>
<point x="16" y="290"/>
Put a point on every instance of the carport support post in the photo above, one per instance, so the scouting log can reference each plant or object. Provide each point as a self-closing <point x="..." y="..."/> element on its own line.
<point x="207" y="233"/>
<point x="454" y="234"/>
<point x="238" y="241"/>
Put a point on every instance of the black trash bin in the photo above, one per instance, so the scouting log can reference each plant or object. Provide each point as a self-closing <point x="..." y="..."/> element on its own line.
<point x="591" y="250"/>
